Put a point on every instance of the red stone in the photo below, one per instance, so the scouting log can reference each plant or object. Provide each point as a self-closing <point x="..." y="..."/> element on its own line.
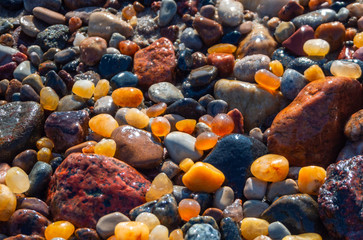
<point x="14" y="87"/>
<point x="155" y="63"/>
<point x="296" y="41"/>
<point x="19" y="57"/>
<point x="6" y="70"/>
<point x="346" y="52"/>
<point x="128" y="47"/>
<point x="224" y="62"/>
<point x="187" y="6"/>
<point x="333" y="33"/>
<point x="290" y="10"/>
<point x="28" y="222"/>
<point x="310" y="131"/>
<point x="86" y="187"/>
<point x="209" y="31"/>
<point x="237" y="117"/>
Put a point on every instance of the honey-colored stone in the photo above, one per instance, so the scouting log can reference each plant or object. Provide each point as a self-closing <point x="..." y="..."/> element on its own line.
<point x="314" y="73"/>
<point x="49" y="99"/>
<point x="276" y="68"/>
<point x="149" y="219"/>
<point x="222" y="48"/>
<point x="358" y="40"/>
<point x="160" y="126"/>
<point x="60" y="229"/>
<point x="310" y="179"/>
<point x="17" y="180"/>
<point x="106" y="147"/>
<point x="83" y="88"/>
<point x="304" y="236"/>
<point x="7" y="203"/>
<point x="270" y="168"/>
<point x="253" y="227"/>
<point x="267" y="79"/>
<point x="160" y="232"/>
<point x="206" y="141"/>
<point x="44" y="154"/>
<point x="188" y="208"/>
<point x="186" y="164"/>
<point x="346" y="69"/>
<point x="316" y="47"/>
<point x="102" y="88"/>
<point x="103" y="124"/>
<point x="131" y="231"/>
<point x="186" y="125"/>
<point x="136" y="118"/>
<point x="160" y="186"/>
<point x="127" y="97"/>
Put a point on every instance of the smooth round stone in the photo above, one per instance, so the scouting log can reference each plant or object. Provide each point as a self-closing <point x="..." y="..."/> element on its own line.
<point x="345" y="69"/>
<point x="185" y="60"/>
<point x="167" y="11"/>
<point x="333" y="33"/>
<point x="39" y="178"/>
<point x="105" y="105"/>
<point x="278" y="189"/>
<point x="201" y="128"/>
<point x="106" y="225"/>
<point x="181" y="192"/>
<point x="233" y="37"/>
<point x="49" y="16"/>
<point x="217" y="106"/>
<point x="124" y="79"/>
<point x="342" y="14"/>
<point x="277" y="231"/>
<point x="111" y="50"/>
<point x="202" y="76"/>
<point x="164" y="92"/>
<point x="254" y="188"/>
<point x="65" y="56"/>
<point x="283" y="31"/>
<point x="23" y="70"/>
<point x="31" y="26"/>
<point x="120" y="116"/>
<point x="186" y="107"/>
<point x="223" y="197"/>
<point x="291" y="83"/>
<point x="34" y="204"/>
<point x="115" y="39"/>
<point x="160" y="232"/>
<point x="35" y="49"/>
<point x="254" y="208"/>
<point x="70" y="103"/>
<point x="112" y="64"/>
<point x="86" y="234"/>
<point x="191" y="39"/>
<point x="202" y="231"/>
<point x="25" y="160"/>
<point x="245" y="68"/>
<point x="50" y="53"/>
<point x="55" y="36"/>
<point x="208" y="11"/>
<point x="92" y="49"/>
<point x="29" y="5"/>
<point x="353" y="129"/>
<point x="230" y="12"/>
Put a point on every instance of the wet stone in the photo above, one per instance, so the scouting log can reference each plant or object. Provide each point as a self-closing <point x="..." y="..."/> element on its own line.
<point x="277" y="231"/>
<point x="70" y="103"/>
<point x="209" y="31"/>
<point x="112" y="64"/>
<point x="31" y="26"/>
<point x="105" y="105"/>
<point x="186" y="107"/>
<point x="25" y="160"/>
<point x="296" y="41"/>
<point x="65" y="56"/>
<point x="28" y="222"/>
<point x="86" y="234"/>
<point x="39" y="178"/>
<point x="254" y="208"/>
<point x="49" y="16"/>
<point x="283" y="31"/>
<point x="230" y="12"/>
<point x="166" y="211"/>
<point x="292" y="82"/>
<point x="34" y="204"/>
<point x="23" y="70"/>
<point x="106" y="225"/>
<point x="245" y="68"/>
<point x="315" y="18"/>
<point x="202" y="231"/>
<point x="27" y="93"/>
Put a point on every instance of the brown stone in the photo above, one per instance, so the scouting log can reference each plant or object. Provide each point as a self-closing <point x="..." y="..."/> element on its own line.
<point x="290" y="10"/>
<point x="310" y="131"/>
<point x="71" y="4"/>
<point x="209" y="30"/>
<point x="26" y="160"/>
<point x="237" y="117"/>
<point x="224" y="62"/>
<point x="355" y="9"/>
<point x="92" y="50"/>
<point x="296" y="41"/>
<point x="86" y="234"/>
<point x="162" y="56"/>
<point x="24" y="237"/>
<point x="215" y="213"/>
<point x="354" y="127"/>
<point x="14" y="87"/>
<point x="333" y="33"/>
<point x="49" y="16"/>
<point x="28" y="222"/>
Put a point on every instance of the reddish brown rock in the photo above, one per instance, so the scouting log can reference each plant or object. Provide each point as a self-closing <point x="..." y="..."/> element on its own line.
<point x="355" y="9"/>
<point x="354" y="128"/>
<point x="237" y="117"/>
<point x="14" y="87"/>
<point x="346" y="52"/>
<point x="209" y="31"/>
<point x="28" y="222"/>
<point x="187" y="7"/>
<point x="25" y="160"/>
<point x="224" y="62"/>
<point x="333" y="33"/>
<point x="49" y="16"/>
<point x="6" y="70"/>
<point x="155" y="63"/>
<point x="86" y="187"/>
<point x="310" y="131"/>
<point x="296" y="41"/>
<point x="86" y="234"/>
<point x="92" y="50"/>
<point x="290" y="10"/>
<point x="33" y="204"/>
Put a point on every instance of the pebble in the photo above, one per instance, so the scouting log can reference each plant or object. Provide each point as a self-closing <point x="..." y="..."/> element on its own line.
<point x="315" y="18"/>
<point x="245" y="68"/>
<point x="105" y="105"/>
<point x="86" y="233"/>
<point x="223" y="197"/>
<point x="296" y="41"/>
<point x="186" y="107"/>
<point x="55" y="36"/>
<point x="31" y="26"/>
<point x="202" y="231"/>
<point x="164" y="92"/>
<point x="283" y="31"/>
<point x="39" y="178"/>
<point x="6" y="54"/>
<point x="208" y="11"/>
<point x="23" y="70"/>
<point x="253" y="227"/>
<point x="290" y="10"/>
<point x="112" y="64"/>
<point x="65" y="56"/>
<point x="106" y="224"/>
<point x="254" y="208"/>
<point x="166" y="210"/>
<point x="167" y="11"/>
<point x="56" y="83"/>
<point x="25" y="160"/>
<point x="277" y="231"/>
<point x="49" y="16"/>
<point x="229" y="229"/>
<point x="92" y="50"/>
<point x="230" y="12"/>
<point x="12" y="4"/>
<point x="254" y="188"/>
<point x="29" y="222"/>
<point x="352" y="129"/>
<point x="209" y="30"/>
<point x="27" y="93"/>
<point x="292" y="82"/>
<point x="224" y="62"/>
<point x="70" y="103"/>
<point x="7" y="203"/>
<point x="124" y="79"/>
<point x="278" y="189"/>
<point x="333" y="33"/>
<point x="191" y="39"/>
<point x="340" y="69"/>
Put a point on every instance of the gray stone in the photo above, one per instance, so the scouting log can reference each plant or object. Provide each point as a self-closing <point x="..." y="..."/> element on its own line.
<point x="55" y="36"/>
<point x="223" y="197"/>
<point x="245" y="68"/>
<point x="254" y="208"/>
<point x="39" y="178"/>
<point x="120" y="116"/>
<point x="166" y="210"/>
<point x="105" y="226"/>
<point x="65" y="56"/>
<point x="115" y="39"/>
<point x="191" y="39"/>
<point x="278" y="189"/>
<point x="343" y="14"/>
<point x="202" y="231"/>
<point x="230" y="229"/>
<point x="230" y="12"/>
<point x="6" y="53"/>
<point x="105" y="105"/>
<point x="70" y="103"/>
<point x="5" y="26"/>
<point x="254" y="188"/>
<point x="164" y="92"/>
<point x="167" y="11"/>
<point x="315" y="18"/>
<point x="31" y="26"/>
<point x="50" y="4"/>
<point x="23" y="70"/>
<point x="292" y="82"/>
<point x="277" y="231"/>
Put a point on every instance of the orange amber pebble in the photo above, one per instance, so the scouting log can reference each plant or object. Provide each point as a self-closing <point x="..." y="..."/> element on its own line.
<point x="186" y="164"/>
<point x="207" y="119"/>
<point x="310" y="179"/>
<point x="188" y="208"/>
<point x="60" y="229"/>
<point x="160" y="126"/>
<point x="270" y="168"/>
<point x="113" y="237"/>
<point x="102" y="88"/>
<point x="358" y="40"/>
<point x="314" y="4"/>
<point x="276" y="68"/>
<point x="44" y="155"/>
<point x="350" y="33"/>
<point x="45" y="142"/>
<point x="128" y="47"/>
<point x="127" y="97"/>
<point x="186" y="125"/>
<point x="267" y="79"/>
<point x="89" y="149"/>
<point x="103" y="124"/>
<point x="176" y="234"/>
<point x="222" y="48"/>
<point x="313" y="73"/>
<point x="74" y="23"/>
<point x="206" y="141"/>
<point x="222" y="124"/>
<point x="156" y="109"/>
<point x="128" y="12"/>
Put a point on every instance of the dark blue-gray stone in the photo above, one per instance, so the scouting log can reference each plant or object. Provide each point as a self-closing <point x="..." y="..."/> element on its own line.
<point x="233" y="37"/>
<point x="205" y="200"/>
<point x="181" y="192"/>
<point x="65" y="56"/>
<point x="39" y="178"/>
<point x="217" y="106"/>
<point x="233" y="155"/>
<point x="166" y="210"/>
<point x="229" y="229"/>
<point x="5" y="25"/>
<point x="124" y="79"/>
<point x="55" y="36"/>
<point x="185" y="60"/>
<point x="291" y="83"/>
<point x="277" y="231"/>
<point x="56" y="83"/>
<point x="186" y="107"/>
<point x="55" y="162"/>
<point x="12" y="4"/>
<point x="196" y="92"/>
<point x="282" y="56"/>
<point x="254" y="208"/>
<point x="202" y="232"/>
<point x="167" y="11"/>
<point x="200" y="220"/>
<point x="191" y="39"/>
<point x="111" y="64"/>
<point x="202" y="76"/>
<point x="300" y="64"/>
<point x="146" y="207"/>
<point x="315" y="18"/>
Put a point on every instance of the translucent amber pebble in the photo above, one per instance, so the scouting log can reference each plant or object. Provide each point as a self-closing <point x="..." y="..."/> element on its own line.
<point x="345" y="69"/>
<point x="88" y="149"/>
<point x="276" y="68"/>
<point x="133" y="21"/>
<point x="131" y="231"/>
<point x="270" y="168"/>
<point x="136" y="118"/>
<point x="207" y="119"/>
<point x="44" y="155"/>
<point x="316" y="47"/>
<point x="7" y="203"/>
<point x="83" y="88"/>
<point x="103" y="124"/>
<point x="188" y="208"/>
<point x="127" y="97"/>
<point x="128" y="12"/>
<point x="176" y="234"/>
<point x="304" y="236"/>
<point x="222" y="124"/>
<point x="160" y="186"/>
<point x="203" y="177"/>
<point x="128" y="47"/>
<point x="149" y="219"/>
<point x="310" y="179"/>
<point x="267" y="79"/>
<point x="313" y="73"/>
<point x="113" y="237"/>
<point x="156" y="109"/>
<point x="358" y="40"/>
<point x="222" y="48"/>
<point x="17" y="180"/>
<point x="186" y="164"/>
<point x="160" y="232"/>
<point x="206" y="140"/>
<point x="102" y="88"/>
<point x="45" y="142"/>
<point x="61" y="229"/>
<point x="253" y="227"/>
<point x="160" y="126"/>
<point x="186" y="125"/>
<point x="49" y="99"/>
<point x="106" y="147"/>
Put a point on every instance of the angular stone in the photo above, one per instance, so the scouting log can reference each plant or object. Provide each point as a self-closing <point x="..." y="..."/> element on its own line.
<point x="230" y="229"/>
<point x="55" y="36"/>
<point x="296" y="41"/>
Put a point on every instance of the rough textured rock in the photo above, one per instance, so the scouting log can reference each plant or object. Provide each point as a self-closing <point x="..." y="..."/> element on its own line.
<point x="155" y="63"/>
<point x="86" y="187"/>
<point x="310" y="131"/>
<point x="20" y="128"/>
<point x="341" y="195"/>
<point x="28" y="222"/>
<point x="354" y="127"/>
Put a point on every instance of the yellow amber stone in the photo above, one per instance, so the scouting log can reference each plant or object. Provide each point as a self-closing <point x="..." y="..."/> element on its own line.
<point x="131" y="231"/>
<point x="133" y="21"/>
<point x="160" y="126"/>
<point x="149" y="219"/>
<point x="310" y="179"/>
<point x="346" y="69"/>
<point x="186" y="125"/>
<point x="186" y="164"/>
<point x="49" y="99"/>
<point x="61" y="229"/>
<point x="106" y="147"/>
<point x="102" y="88"/>
<point x="83" y="88"/>
<point x="44" y="155"/>
<point x="267" y="79"/>
<point x="270" y="168"/>
<point x="160" y="232"/>
<point x="103" y="124"/>
<point x="176" y="234"/>
<point x="127" y="97"/>
<point x="316" y="47"/>
<point x="358" y="40"/>
<point x="7" y="203"/>
<point x="17" y="180"/>
<point x="203" y="177"/>
<point x="136" y="118"/>
<point x="222" y="48"/>
<point x="45" y="142"/>
<point x="313" y="73"/>
<point x="253" y="227"/>
<point x="304" y="236"/>
<point x="160" y="186"/>
<point x="276" y="68"/>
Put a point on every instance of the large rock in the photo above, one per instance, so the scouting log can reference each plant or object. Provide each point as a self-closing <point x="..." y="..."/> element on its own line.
<point x="310" y="131"/>
<point x="86" y="187"/>
<point x="155" y="63"/>
<point x="255" y="103"/>
<point x="340" y="199"/>
<point x="20" y="128"/>
<point x="233" y="155"/>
